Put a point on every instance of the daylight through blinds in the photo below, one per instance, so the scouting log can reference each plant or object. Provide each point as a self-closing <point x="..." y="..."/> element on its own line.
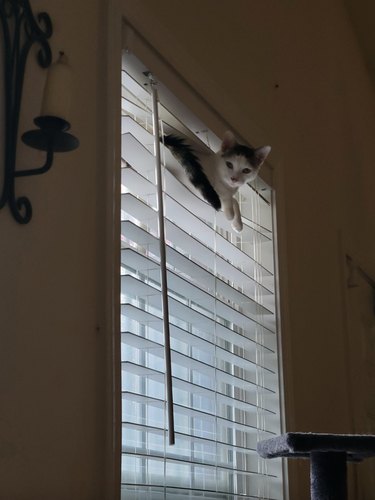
<point x="223" y="328"/>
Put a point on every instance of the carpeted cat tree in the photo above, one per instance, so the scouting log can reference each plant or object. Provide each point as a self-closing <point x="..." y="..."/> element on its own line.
<point x="328" y="454"/>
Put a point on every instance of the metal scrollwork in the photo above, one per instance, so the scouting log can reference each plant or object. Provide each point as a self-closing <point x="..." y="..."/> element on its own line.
<point x="20" y="32"/>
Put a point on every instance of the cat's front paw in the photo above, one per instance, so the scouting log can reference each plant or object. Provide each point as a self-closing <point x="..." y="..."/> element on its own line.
<point x="229" y="212"/>
<point x="237" y="225"/>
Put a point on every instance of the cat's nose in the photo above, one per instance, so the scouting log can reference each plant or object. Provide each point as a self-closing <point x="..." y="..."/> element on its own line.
<point x="234" y="179"/>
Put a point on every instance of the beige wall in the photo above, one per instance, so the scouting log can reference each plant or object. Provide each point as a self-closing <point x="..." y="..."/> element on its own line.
<point x="52" y="357"/>
<point x="289" y="73"/>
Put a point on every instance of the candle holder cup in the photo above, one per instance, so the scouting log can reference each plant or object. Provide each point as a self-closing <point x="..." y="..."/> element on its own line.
<point x="52" y="134"/>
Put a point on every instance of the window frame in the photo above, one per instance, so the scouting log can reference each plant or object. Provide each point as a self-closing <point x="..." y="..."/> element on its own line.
<point x="121" y="19"/>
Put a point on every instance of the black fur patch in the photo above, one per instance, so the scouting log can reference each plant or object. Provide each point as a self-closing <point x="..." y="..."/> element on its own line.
<point x="240" y="150"/>
<point x="246" y="152"/>
<point x="186" y="156"/>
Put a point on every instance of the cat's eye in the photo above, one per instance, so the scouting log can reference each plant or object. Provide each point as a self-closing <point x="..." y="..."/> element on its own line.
<point x="246" y="171"/>
<point x="229" y="164"/>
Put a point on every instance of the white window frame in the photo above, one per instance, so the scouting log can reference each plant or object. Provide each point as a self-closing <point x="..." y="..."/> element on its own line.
<point x="119" y="15"/>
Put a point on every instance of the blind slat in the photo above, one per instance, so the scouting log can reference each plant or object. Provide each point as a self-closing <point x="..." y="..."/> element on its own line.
<point x="219" y="356"/>
<point x="187" y="313"/>
<point x="178" y="285"/>
<point x="247" y="434"/>
<point x="234" y="339"/>
<point x="241" y="401"/>
<point x="194" y="269"/>
<point x="149" y="266"/>
<point x="248" y="375"/>
<point x="202" y="248"/>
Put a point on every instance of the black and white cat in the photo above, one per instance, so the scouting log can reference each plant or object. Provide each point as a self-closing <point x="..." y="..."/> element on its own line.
<point x="218" y="176"/>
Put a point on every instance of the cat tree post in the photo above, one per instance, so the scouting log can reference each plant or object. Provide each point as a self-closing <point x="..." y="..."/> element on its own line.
<point x="328" y="454"/>
<point x="328" y="475"/>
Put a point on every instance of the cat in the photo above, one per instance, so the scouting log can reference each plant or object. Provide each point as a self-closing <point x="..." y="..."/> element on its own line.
<point x="218" y="176"/>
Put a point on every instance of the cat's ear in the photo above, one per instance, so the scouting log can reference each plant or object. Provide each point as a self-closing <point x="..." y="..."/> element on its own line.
<point x="260" y="154"/>
<point x="229" y="141"/>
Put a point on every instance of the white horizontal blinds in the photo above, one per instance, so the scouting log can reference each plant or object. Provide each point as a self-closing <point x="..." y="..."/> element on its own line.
<point x="222" y="323"/>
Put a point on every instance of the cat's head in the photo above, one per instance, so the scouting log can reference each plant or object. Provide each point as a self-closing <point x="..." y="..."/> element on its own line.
<point x="239" y="163"/>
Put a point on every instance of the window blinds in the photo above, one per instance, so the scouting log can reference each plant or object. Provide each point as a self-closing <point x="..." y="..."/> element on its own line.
<point x="222" y="315"/>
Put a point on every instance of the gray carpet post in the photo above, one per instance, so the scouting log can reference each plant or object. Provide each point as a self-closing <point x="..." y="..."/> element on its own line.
<point x="328" y="475"/>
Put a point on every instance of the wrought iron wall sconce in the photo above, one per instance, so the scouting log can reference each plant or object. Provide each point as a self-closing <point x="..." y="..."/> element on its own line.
<point x="20" y="31"/>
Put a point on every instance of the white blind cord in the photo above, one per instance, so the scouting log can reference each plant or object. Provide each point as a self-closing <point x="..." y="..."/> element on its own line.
<point x="163" y="264"/>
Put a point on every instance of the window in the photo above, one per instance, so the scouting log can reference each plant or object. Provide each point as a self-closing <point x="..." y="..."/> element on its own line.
<point x="223" y="321"/>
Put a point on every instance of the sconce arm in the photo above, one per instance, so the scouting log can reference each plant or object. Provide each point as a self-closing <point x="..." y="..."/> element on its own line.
<point x="37" y="171"/>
